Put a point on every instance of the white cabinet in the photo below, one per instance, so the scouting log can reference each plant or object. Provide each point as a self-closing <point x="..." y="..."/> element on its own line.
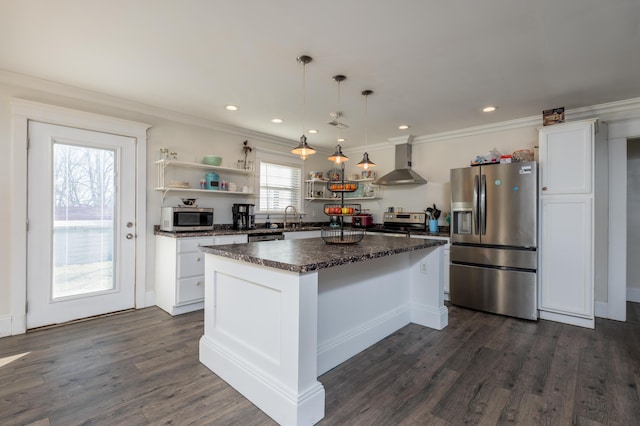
<point x="566" y="276"/>
<point x="568" y="208"/>
<point x="180" y="270"/>
<point x="299" y="235"/>
<point x="566" y="158"/>
<point x="445" y="260"/>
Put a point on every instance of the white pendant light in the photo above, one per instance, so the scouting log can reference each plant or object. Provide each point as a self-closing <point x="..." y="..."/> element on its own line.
<point x="303" y="149"/>
<point x="366" y="163"/>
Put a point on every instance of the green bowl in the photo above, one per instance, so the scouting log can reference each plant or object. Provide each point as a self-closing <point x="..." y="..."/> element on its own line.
<point x="212" y="160"/>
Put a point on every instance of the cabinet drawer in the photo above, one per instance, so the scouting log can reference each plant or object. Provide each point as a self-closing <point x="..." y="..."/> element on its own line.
<point x="190" y="290"/>
<point x="186" y="245"/>
<point x="190" y="264"/>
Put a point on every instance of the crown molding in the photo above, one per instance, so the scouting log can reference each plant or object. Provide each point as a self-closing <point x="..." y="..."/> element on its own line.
<point x="612" y="111"/>
<point x="609" y="112"/>
<point x="102" y="99"/>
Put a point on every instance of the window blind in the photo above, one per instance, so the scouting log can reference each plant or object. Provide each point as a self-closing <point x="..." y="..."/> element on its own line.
<point x="280" y="186"/>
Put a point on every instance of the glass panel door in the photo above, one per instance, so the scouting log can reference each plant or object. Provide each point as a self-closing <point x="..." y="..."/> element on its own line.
<point x="81" y="238"/>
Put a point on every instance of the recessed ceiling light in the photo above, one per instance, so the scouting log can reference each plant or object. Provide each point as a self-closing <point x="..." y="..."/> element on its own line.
<point x="314" y="131"/>
<point x="490" y="108"/>
<point x="231" y="107"/>
<point x="341" y="139"/>
<point x="277" y="120"/>
<point x="403" y="126"/>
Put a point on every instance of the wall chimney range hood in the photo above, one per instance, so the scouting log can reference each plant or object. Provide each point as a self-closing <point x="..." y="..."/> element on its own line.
<point x="402" y="174"/>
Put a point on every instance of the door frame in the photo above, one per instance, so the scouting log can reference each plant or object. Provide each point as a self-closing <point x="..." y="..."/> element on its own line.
<point x="22" y="111"/>
<point x="619" y="132"/>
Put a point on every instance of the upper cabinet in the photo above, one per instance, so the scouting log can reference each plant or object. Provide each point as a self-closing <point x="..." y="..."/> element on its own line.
<point x="566" y="151"/>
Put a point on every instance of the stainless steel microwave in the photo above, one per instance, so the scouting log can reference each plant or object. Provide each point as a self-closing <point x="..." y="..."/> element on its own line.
<point x="181" y="219"/>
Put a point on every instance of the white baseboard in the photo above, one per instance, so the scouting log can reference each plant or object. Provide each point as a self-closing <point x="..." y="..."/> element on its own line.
<point x="5" y="325"/>
<point x="633" y="294"/>
<point x="340" y="348"/>
<point x="567" y="319"/>
<point x="284" y="405"/>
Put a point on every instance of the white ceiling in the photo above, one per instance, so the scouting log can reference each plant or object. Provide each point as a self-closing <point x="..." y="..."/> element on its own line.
<point x="431" y="64"/>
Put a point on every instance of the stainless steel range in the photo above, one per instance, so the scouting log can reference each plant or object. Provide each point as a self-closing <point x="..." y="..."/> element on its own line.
<point x="401" y="224"/>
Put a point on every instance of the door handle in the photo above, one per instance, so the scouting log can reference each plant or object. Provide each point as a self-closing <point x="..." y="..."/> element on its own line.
<point x="129" y="236"/>
<point x="476" y="206"/>
<point x="483" y="204"/>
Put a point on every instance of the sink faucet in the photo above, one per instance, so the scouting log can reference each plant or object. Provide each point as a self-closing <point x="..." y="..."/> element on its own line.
<point x="295" y="214"/>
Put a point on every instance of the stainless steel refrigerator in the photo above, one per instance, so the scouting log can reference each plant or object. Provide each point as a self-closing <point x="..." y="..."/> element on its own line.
<point x="493" y="238"/>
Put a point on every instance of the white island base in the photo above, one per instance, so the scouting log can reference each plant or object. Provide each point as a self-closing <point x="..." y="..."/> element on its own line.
<point x="270" y="333"/>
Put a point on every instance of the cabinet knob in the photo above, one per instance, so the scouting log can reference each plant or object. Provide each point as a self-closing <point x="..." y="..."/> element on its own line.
<point x="198" y="283"/>
<point x="197" y="259"/>
<point x="544" y="188"/>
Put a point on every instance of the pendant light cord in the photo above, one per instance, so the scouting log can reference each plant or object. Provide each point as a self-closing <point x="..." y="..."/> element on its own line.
<point x="366" y="122"/>
<point x="304" y="94"/>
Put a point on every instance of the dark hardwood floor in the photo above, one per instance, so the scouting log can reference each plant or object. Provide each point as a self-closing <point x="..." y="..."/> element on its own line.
<point x="142" y="368"/>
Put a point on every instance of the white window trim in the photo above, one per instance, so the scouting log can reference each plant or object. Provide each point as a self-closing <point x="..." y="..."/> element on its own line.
<point x="282" y="158"/>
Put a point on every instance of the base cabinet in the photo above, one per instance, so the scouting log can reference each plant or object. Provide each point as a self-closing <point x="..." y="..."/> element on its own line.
<point x="180" y="271"/>
<point x="566" y="276"/>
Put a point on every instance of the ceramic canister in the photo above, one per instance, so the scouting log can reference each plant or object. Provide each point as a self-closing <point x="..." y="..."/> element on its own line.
<point x="213" y="181"/>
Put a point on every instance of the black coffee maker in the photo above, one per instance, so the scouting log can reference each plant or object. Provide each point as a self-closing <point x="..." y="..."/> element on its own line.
<point x="243" y="216"/>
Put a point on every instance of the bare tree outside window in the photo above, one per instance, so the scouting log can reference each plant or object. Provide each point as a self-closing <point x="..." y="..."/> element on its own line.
<point x="84" y="185"/>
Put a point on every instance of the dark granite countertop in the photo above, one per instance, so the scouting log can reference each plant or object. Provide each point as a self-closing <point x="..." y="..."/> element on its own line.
<point x="313" y="253"/>
<point x="229" y="231"/>
<point x="432" y="234"/>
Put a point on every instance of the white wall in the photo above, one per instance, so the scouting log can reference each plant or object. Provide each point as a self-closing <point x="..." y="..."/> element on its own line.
<point x="633" y="218"/>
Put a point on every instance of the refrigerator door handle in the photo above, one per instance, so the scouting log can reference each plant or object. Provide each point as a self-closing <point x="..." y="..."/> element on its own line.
<point x="476" y="206"/>
<point x="483" y="204"/>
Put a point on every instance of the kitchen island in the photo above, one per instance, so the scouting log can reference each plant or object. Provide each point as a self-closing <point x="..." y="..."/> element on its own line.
<point x="280" y="313"/>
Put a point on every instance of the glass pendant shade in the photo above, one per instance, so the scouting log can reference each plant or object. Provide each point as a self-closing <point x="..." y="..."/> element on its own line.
<point x="303" y="149"/>
<point x="366" y="163"/>
<point x="338" y="157"/>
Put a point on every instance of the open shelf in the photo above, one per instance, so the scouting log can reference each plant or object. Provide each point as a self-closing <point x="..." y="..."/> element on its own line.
<point x="203" y="191"/>
<point x="176" y="163"/>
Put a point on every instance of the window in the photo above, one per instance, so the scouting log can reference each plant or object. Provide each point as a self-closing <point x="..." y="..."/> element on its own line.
<point x="280" y="186"/>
